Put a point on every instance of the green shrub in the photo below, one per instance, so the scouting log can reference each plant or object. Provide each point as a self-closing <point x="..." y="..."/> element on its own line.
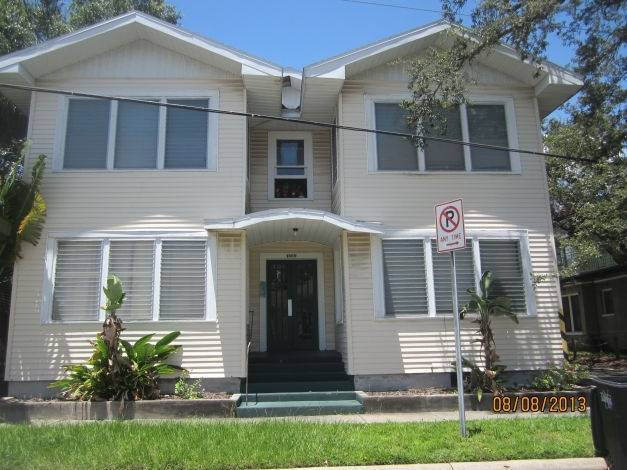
<point x="559" y="377"/>
<point x="118" y="369"/>
<point x="188" y="391"/>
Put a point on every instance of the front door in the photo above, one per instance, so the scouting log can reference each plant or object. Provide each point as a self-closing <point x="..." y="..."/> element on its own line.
<point x="292" y="309"/>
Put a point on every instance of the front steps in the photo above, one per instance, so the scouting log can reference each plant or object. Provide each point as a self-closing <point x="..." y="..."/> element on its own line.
<point x="297" y="371"/>
<point x="262" y="405"/>
<point x="297" y="383"/>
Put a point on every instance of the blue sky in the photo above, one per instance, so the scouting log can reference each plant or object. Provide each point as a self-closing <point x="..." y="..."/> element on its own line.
<point x="296" y="33"/>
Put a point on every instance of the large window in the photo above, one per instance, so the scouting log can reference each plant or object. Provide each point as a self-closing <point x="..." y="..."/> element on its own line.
<point x="164" y="278"/>
<point x="572" y="313"/>
<point x="416" y="280"/>
<point x="290" y="165"/>
<point x="106" y="135"/>
<point x="489" y="121"/>
<point x="608" y="301"/>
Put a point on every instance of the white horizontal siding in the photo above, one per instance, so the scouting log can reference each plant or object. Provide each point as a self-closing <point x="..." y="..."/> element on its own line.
<point x="37" y="352"/>
<point x="254" y="261"/>
<point x="140" y="59"/>
<point x="259" y="174"/>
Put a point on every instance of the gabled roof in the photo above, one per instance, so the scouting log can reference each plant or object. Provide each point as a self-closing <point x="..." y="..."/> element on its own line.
<point x="323" y="80"/>
<point x="25" y="66"/>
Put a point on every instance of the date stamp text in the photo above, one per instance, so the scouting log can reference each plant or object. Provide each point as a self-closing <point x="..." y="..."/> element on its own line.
<point x="533" y="404"/>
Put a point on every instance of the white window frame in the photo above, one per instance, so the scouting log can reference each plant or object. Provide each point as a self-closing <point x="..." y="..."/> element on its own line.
<point x="106" y="238"/>
<point x="570" y="309"/>
<point x="213" y="96"/>
<point x="307" y="137"/>
<point x="512" y="135"/>
<point x="428" y="237"/>
<point x="605" y="314"/>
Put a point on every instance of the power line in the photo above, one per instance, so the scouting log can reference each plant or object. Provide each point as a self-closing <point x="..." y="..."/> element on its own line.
<point x="400" y="6"/>
<point x="284" y="119"/>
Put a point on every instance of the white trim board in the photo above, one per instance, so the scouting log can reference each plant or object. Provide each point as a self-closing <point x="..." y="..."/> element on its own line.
<point x="263" y="318"/>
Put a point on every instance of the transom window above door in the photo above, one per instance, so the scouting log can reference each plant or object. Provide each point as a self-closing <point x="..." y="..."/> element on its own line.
<point x="290" y="165"/>
<point x="98" y="134"/>
<point x="490" y="120"/>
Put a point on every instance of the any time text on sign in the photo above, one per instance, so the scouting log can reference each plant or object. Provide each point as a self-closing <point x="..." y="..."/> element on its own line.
<point x="449" y="226"/>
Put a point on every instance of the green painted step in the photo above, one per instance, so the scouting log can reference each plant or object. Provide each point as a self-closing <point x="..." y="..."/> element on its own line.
<point x="298" y="404"/>
<point x="296" y="367"/>
<point x="267" y="377"/>
<point x="269" y="387"/>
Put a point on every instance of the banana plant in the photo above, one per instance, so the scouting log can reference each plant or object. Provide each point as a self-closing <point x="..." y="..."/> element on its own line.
<point x="487" y="309"/>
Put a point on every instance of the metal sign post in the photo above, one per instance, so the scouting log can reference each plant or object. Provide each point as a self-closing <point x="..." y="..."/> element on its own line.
<point x="451" y="236"/>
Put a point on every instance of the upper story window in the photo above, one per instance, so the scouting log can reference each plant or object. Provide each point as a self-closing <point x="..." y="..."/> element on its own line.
<point x="165" y="278"/>
<point x="415" y="280"/>
<point x="489" y="121"/>
<point x="105" y="135"/>
<point x="290" y="165"/>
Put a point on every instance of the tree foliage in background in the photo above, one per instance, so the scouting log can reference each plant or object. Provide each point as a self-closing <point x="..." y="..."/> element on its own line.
<point x="87" y="12"/>
<point x="588" y="201"/>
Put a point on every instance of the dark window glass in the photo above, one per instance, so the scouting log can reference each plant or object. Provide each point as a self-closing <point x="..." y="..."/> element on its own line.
<point x="441" y="156"/>
<point x="487" y="124"/>
<point x="393" y="153"/>
<point x="87" y="134"/>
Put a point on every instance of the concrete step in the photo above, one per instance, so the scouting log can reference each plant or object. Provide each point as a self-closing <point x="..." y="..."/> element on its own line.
<point x="267" y="377"/>
<point x="296" y="367"/>
<point x="302" y="396"/>
<point x="291" y="357"/>
<point x="301" y="406"/>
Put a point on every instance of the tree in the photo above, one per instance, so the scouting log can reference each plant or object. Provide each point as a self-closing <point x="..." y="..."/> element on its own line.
<point x="596" y="124"/>
<point x="87" y="12"/>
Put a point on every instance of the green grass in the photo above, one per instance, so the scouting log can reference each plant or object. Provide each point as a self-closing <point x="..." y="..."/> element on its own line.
<point x="276" y="444"/>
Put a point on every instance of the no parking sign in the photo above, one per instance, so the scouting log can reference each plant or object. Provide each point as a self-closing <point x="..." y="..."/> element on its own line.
<point x="449" y="226"/>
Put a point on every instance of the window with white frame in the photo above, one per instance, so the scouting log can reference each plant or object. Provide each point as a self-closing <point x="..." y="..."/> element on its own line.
<point x="120" y="135"/>
<point x="572" y="313"/>
<point x="490" y="120"/>
<point x="415" y="280"/>
<point x="608" y="301"/>
<point x="290" y="165"/>
<point x="164" y="278"/>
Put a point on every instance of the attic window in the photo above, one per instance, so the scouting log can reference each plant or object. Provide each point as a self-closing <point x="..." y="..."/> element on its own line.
<point x="290" y="165"/>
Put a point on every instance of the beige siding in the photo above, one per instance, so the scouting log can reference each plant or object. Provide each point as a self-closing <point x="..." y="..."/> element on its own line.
<point x="423" y="345"/>
<point x="259" y="174"/>
<point x="336" y="202"/>
<point x="210" y="349"/>
<point x="292" y="247"/>
<point x="140" y="59"/>
<point x="403" y="201"/>
<point x="143" y="199"/>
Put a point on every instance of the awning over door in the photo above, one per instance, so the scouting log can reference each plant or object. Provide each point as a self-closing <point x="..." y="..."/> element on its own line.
<point x="278" y="225"/>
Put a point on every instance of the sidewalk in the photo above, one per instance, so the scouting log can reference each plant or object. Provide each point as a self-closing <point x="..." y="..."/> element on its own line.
<point x="558" y="464"/>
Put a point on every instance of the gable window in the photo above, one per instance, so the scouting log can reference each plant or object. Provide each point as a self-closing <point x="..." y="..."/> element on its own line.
<point x="608" y="301"/>
<point x="290" y="165"/>
<point x="572" y="313"/>
<point x="415" y="280"/>
<point x="121" y="135"/>
<point x="164" y="278"/>
<point x="489" y="121"/>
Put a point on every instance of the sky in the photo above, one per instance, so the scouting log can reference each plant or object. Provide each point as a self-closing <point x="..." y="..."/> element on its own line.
<point x="296" y="33"/>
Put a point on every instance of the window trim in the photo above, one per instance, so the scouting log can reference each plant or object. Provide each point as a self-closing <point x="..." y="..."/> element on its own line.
<point x="307" y="137"/>
<point x="605" y="314"/>
<point x="512" y="135"/>
<point x="212" y="133"/>
<point x="106" y="237"/>
<point x="337" y="281"/>
<point x="570" y="309"/>
<point x="428" y="235"/>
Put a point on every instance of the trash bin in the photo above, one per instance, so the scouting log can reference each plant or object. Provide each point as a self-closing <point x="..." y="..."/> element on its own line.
<point x="608" y="413"/>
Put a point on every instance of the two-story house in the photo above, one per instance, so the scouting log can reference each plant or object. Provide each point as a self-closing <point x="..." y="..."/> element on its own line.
<point x="305" y="240"/>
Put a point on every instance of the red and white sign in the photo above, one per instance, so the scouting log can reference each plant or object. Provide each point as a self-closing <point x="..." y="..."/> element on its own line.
<point x="449" y="226"/>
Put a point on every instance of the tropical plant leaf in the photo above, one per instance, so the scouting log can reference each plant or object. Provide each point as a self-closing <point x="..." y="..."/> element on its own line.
<point x="486" y="284"/>
<point x="167" y="339"/>
<point x="142" y="341"/>
<point x="31" y="226"/>
<point x="479" y="394"/>
<point x="128" y="347"/>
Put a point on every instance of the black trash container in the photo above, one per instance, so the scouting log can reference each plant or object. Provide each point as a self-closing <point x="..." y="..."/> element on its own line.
<point x="608" y="413"/>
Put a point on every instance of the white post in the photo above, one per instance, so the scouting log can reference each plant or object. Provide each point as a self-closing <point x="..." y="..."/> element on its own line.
<point x="458" y="350"/>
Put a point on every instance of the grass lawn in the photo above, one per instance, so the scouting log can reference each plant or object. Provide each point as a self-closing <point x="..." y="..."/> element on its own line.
<point x="276" y="444"/>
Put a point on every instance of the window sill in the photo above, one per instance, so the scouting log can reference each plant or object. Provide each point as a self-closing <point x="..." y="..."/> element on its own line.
<point x="425" y="316"/>
<point x="126" y="322"/>
<point x="131" y="170"/>
<point x="574" y="333"/>
<point x="447" y="172"/>
<point x="279" y="199"/>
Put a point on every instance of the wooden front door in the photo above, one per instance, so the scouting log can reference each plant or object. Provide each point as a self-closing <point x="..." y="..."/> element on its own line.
<point x="292" y="305"/>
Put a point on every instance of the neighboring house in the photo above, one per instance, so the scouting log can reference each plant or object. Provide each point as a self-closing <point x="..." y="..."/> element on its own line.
<point x="594" y="301"/>
<point x="322" y="239"/>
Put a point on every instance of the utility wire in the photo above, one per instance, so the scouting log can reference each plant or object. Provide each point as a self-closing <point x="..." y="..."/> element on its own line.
<point x="403" y="7"/>
<point x="284" y="119"/>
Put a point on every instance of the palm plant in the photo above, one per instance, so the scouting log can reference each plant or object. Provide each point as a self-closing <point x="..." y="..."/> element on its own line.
<point x="22" y="209"/>
<point x="487" y="308"/>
